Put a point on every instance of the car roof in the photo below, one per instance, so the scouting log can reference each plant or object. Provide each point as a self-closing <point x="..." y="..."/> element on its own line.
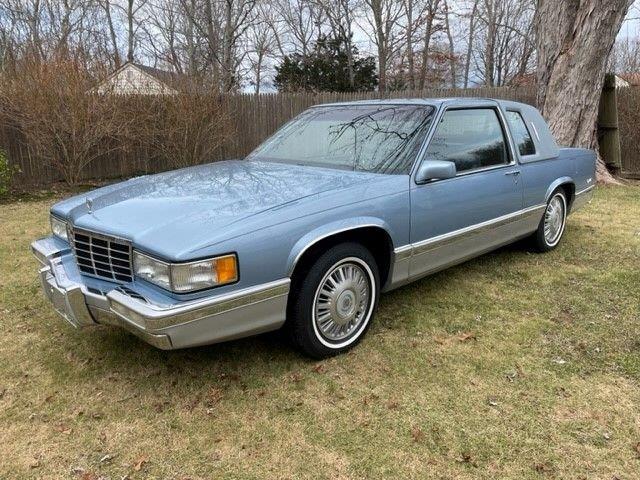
<point x="436" y="102"/>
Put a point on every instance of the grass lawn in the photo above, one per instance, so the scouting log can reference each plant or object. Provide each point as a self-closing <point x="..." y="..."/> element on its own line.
<point x="513" y="365"/>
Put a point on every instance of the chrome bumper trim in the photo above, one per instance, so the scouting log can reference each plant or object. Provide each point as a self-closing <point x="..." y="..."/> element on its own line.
<point x="68" y="302"/>
<point x="198" y="322"/>
<point x="152" y="317"/>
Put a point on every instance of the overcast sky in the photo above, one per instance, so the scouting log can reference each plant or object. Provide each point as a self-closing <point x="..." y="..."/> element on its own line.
<point x="631" y="26"/>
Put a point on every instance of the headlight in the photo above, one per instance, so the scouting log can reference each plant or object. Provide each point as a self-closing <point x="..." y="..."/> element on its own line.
<point x="152" y="270"/>
<point x="186" y="277"/>
<point x="59" y="228"/>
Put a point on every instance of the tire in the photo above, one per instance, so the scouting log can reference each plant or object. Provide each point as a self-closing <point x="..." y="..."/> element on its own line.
<point x="331" y="307"/>
<point x="552" y="224"/>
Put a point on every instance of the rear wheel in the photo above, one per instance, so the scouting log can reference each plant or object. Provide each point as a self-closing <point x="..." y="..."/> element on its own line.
<point x="552" y="224"/>
<point x="332" y="306"/>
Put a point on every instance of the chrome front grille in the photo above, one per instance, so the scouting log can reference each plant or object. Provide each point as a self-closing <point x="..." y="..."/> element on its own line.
<point x="102" y="256"/>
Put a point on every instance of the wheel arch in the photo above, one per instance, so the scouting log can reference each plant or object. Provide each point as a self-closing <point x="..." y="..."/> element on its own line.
<point x="371" y="233"/>
<point x="569" y="187"/>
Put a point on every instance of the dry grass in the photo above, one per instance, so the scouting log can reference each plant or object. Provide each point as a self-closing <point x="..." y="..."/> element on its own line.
<point x="513" y="365"/>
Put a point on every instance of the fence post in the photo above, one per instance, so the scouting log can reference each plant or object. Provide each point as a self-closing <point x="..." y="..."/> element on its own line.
<point x="608" y="133"/>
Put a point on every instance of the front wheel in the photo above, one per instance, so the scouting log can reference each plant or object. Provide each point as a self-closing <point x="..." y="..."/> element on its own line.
<point x="552" y="224"/>
<point x="332" y="306"/>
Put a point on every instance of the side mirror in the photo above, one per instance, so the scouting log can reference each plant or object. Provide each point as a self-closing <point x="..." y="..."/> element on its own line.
<point x="435" y="170"/>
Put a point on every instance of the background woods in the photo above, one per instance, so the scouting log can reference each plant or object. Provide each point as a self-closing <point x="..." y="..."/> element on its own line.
<point x="53" y="54"/>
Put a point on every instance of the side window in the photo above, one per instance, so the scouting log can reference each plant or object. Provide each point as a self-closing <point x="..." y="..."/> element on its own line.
<point x="521" y="135"/>
<point x="470" y="138"/>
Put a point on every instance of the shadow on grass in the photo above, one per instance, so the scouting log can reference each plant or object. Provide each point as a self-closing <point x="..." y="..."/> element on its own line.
<point x="254" y="359"/>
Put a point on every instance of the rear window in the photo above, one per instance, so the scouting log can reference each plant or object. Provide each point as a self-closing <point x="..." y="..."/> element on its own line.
<point x="521" y="135"/>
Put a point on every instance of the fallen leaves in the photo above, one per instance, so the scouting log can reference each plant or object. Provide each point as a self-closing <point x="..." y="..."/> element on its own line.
<point x="461" y="337"/>
<point x="636" y="448"/>
<point x="61" y="428"/>
<point x="393" y="405"/>
<point x="542" y="467"/>
<point x="464" y="337"/>
<point x="139" y="463"/>
<point x="466" y="457"/>
<point x="417" y="434"/>
<point x="319" y="368"/>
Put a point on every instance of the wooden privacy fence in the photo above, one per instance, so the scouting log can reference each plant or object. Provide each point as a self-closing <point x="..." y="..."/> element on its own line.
<point x="629" y="125"/>
<point x="251" y="119"/>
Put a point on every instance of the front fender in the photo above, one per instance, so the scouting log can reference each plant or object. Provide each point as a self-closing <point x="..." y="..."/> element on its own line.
<point x="328" y="230"/>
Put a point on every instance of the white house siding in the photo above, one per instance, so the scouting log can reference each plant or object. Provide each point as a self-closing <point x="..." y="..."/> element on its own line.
<point x="130" y="80"/>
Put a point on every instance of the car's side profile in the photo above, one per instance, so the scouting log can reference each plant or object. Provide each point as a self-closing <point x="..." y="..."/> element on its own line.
<point x="343" y="203"/>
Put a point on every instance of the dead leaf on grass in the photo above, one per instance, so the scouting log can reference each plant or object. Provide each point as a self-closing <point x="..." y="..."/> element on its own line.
<point x="63" y="429"/>
<point x="137" y="466"/>
<point x="542" y="467"/>
<point x="466" y="457"/>
<point x="466" y="336"/>
<point x="417" y="434"/>
<point x="319" y="368"/>
<point x="393" y="405"/>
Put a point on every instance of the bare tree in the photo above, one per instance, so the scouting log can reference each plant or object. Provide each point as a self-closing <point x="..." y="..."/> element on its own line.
<point x="339" y="14"/>
<point x="430" y="16"/>
<point x="472" y="26"/>
<point x="573" y="43"/>
<point x="108" y="11"/>
<point x="452" y="54"/>
<point x="298" y="26"/>
<point x="261" y="43"/>
<point x="383" y="16"/>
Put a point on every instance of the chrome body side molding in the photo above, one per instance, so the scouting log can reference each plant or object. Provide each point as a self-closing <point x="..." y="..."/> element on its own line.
<point x="437" y="253"/>
<point x="582" y="198"/>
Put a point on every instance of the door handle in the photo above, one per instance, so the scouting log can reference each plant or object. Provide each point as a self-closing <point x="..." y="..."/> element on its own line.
<point x="513" y="172"/>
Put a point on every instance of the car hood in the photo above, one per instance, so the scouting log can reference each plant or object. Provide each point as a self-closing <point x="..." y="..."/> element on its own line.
<point x="171" y="212"/>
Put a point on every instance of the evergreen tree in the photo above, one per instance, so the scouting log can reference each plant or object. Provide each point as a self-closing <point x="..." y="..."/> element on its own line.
<point x="326" y="69"/>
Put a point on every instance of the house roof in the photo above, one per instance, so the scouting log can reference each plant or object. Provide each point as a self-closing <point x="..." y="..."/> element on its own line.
<point x="633" y="78"/>
<point x="170" y="80"/>
<point x="164" y="76"/>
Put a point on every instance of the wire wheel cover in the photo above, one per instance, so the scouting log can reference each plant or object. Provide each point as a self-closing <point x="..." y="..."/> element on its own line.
<point x="342" y="301"/>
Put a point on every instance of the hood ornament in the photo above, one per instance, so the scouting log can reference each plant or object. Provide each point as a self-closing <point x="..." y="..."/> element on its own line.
<point x="89" y="203"/>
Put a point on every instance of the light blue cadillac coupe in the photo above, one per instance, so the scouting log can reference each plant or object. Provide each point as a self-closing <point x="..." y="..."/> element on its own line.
<point x="344" y="202"/>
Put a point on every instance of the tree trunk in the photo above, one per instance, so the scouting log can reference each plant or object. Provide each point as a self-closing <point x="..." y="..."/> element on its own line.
<point x="489" y="46"/>
<point x="409" y="40"/>
<point x="452" y="53"/>
<point x="112" y="34"/>
<point x="131" y="31"/>
<point x="427" y="45"/>
<point x="381" y="44"/>
<point x="472" y="25"/>
<point x="574" y="40"/>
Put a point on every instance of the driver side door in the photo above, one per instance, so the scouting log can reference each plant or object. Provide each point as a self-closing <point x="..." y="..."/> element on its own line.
<point x="458" y="218"/>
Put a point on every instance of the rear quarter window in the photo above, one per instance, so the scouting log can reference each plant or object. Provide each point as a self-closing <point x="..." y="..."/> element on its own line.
<point x="521" y="134"/>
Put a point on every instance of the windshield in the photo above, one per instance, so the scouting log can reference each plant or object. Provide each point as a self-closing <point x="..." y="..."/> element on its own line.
<point x="369" y="138"/>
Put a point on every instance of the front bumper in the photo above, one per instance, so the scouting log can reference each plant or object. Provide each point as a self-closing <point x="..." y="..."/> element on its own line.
<point x="168" y="325"/>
